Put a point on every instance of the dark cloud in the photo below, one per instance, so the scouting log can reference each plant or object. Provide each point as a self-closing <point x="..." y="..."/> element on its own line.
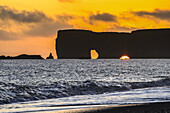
<point x="42" y="26"/>
<point x="161" y="14"/>
<point x="43" y="29"/>
<point x="106" y="17"/>
<point x="5" y="36"/>
<point x="22" y="16"/>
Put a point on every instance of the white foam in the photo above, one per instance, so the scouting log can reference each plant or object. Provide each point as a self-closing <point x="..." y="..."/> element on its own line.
<point x="146" y="95"/>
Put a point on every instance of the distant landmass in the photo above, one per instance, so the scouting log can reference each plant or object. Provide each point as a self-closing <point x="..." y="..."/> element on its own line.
<point x="23" y="56"/>
<point x="148" y="43"/>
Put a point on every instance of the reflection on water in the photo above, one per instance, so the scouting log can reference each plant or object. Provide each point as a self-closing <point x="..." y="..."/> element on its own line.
<point x="50" y="85"/>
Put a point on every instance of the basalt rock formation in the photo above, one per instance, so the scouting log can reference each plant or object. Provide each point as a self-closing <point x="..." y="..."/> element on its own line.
<point x="149" y="43"/>
<point x="50" y="56"/>
<point x="23" y="56"/>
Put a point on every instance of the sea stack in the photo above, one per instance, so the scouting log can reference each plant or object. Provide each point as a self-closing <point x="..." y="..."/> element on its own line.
<point x="50" y="56"/>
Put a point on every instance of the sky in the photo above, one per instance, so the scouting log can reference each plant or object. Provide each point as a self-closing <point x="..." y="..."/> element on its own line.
<point x="30" y="26"/>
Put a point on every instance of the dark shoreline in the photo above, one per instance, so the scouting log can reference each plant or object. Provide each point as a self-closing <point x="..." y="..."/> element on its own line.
<point x="159" y="107"/>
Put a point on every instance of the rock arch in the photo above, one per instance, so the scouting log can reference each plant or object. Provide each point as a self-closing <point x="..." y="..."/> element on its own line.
<point x="77" y="44"/>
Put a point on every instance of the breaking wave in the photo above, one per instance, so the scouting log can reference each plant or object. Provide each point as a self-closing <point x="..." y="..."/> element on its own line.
<point x="10" y="92"/>
<point x="27" y="80"/>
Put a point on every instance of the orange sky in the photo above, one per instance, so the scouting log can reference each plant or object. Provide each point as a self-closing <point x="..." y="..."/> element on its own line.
<point x="30" y="26"/>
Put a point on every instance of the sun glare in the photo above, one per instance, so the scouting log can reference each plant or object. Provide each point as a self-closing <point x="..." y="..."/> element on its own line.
<point x="124" y="57"/>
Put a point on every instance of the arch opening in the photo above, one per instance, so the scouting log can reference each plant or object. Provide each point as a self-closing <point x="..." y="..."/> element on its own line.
<point x="94" y="54"/>
<point x="124" y="57"/>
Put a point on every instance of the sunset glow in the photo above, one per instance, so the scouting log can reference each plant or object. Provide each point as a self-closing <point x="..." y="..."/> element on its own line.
<point x="124" y="57"/>
<point x="39" y="21"/>
<point x="94" y="54"/>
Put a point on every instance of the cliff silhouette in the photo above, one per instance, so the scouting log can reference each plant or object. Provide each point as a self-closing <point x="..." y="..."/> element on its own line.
<point x="22" y="56"/>
<point x="149" y="43"/>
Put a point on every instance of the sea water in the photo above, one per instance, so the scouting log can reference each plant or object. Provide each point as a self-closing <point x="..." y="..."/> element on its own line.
<point x="56" y="85"/>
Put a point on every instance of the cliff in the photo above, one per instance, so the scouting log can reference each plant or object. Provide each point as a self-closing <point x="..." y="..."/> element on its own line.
<point x="149" y="43"/>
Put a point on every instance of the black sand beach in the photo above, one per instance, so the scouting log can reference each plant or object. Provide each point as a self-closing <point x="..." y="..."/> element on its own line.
<point x="161" y="107"/>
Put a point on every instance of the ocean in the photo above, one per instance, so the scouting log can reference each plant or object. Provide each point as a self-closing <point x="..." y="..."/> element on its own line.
<point x="57" y="85"/>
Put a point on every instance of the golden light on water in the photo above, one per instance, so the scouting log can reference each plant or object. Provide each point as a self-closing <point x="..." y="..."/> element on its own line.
<point x="124" y="57"/>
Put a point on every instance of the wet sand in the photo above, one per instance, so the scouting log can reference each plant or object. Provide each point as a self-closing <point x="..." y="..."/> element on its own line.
<point x="162" y="107"/>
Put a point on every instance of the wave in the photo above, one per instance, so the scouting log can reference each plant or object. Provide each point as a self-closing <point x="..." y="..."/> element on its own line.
<point x="11" y="92"/>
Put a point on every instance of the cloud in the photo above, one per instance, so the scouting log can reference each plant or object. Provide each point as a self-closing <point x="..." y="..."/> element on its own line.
<point x="116" y="27"/>
<point x="161" y="14"/>
<point x="123" y="28"/>
<point x="5" y="36"/>
<point x="43" y="29"/>
<point x="22" y="16"/>
<point x="64" y="17"/>
<point x="34" y="24"/>
<point x="106" y="17"/>
<point x="47" y="29"/>
<point x="70" y="1"/>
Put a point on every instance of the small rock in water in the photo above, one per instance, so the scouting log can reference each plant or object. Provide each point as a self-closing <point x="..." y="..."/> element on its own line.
<point x="50" y="56"/>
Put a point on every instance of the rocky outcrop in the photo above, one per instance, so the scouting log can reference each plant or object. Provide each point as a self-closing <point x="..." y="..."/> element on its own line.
<point x="23" y="56"/>
<point x="50" y="56"/>
<point x="77" y="44"/>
